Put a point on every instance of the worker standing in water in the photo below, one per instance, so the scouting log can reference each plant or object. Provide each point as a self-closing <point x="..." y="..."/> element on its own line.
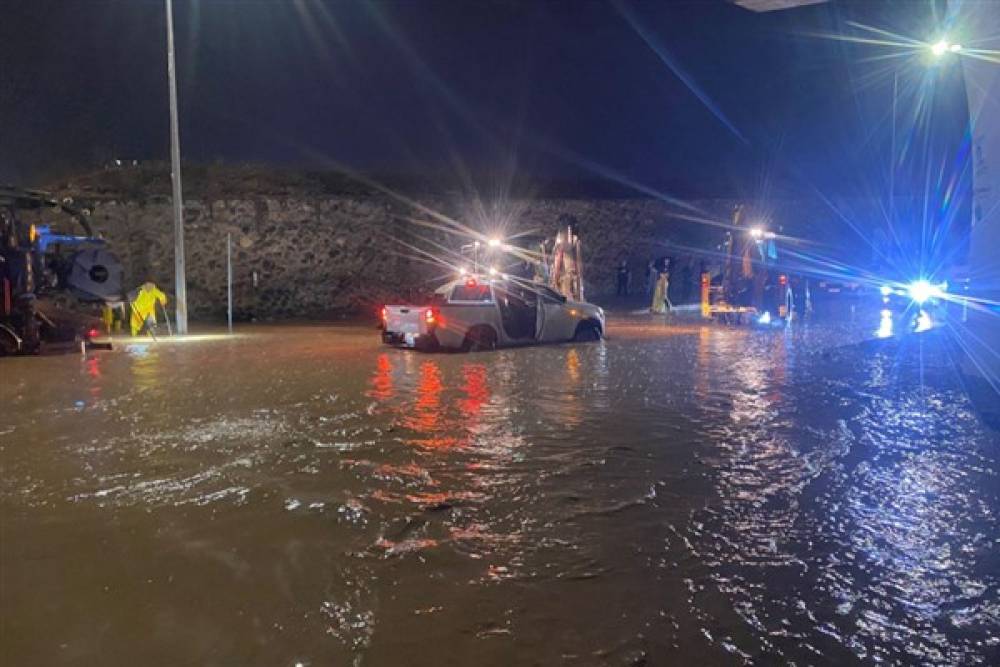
<point x="661" y="299"/>
<point x="144" y="307"/>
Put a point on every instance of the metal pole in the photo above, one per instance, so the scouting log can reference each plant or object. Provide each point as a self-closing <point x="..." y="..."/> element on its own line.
<point x="180" y="280"/>
<point x="229" y="280"/>
<point x="892" y="151"/>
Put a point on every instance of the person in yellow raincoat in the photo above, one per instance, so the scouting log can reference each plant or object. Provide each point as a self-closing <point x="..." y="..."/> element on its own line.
<point x="144" y="307"/>
<point x="661" y="299"/>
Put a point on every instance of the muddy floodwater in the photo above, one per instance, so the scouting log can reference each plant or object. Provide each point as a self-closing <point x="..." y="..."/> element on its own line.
<point x="677" y="494"/>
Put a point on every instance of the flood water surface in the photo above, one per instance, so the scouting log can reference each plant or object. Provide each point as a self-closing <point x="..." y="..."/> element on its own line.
<point x="676" y="493"/>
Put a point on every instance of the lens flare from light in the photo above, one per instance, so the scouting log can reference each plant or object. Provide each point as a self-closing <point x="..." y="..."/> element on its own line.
<point x="885" y="325"/>
<point x="922" y="290"/>
<point x="886" y="290"/>
<point x="765" y="318"/>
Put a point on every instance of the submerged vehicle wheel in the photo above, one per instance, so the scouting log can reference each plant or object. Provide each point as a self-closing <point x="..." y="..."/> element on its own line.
<point x="479" y="339"/>
<point x="587" y="331"/>
<point x="10" y="344"/>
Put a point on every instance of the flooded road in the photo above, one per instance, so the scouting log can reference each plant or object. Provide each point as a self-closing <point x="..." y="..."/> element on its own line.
<point x="678" y="493"/>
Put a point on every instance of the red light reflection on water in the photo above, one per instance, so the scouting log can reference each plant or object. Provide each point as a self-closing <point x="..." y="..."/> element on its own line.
<point x="381" y="382"/>
<point x="439" y="414"/>
<point x="427" y="417"/>
<point x="476" y="388"/>
<point x="428" y="409"/>
<point x="93" y="369"/>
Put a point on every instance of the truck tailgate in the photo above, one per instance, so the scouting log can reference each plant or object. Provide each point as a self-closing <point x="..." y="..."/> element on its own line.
<point x="404" y="319"/>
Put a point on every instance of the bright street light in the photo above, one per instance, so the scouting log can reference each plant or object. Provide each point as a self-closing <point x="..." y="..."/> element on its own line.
<point x="922" y="290"/>
<point x="759" y="234"/>
<point x="494" y="243"/>
<point x="943" y="46"/>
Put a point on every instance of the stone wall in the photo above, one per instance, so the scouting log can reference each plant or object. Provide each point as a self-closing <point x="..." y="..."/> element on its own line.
<point x="321" y="255"/>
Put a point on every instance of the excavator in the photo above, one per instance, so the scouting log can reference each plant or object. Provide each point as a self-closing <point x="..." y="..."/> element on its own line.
<point x="748" y="288"/>
<point x="56" y="274"/>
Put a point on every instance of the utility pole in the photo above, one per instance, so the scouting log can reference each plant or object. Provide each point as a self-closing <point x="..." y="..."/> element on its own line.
<point x="180" y="280"/>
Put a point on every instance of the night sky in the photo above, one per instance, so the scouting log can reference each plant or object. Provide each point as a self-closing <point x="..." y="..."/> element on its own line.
<point x="484" y="88"/>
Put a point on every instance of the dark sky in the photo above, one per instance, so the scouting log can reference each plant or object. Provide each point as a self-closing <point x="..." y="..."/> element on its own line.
<point x="556" y="89"/>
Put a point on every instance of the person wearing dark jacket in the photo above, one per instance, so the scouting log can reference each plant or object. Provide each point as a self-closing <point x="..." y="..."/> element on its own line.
<point x="623" y="276"/>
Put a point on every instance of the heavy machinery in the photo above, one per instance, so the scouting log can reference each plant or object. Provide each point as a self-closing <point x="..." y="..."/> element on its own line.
<point x="747" y="287"/>
<point x="54" y="280"/>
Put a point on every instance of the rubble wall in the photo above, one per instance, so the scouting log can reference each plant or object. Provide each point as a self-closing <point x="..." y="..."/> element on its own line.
<point x="322" y="257"/>
<point x="321" y="245"/>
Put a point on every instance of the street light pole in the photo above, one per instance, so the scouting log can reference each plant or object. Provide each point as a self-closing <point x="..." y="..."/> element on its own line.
<point x="180" y="281"/>
<point x="892" y="151"/>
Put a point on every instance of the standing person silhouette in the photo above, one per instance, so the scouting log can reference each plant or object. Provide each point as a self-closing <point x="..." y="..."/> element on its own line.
<point x="622" y="275"/>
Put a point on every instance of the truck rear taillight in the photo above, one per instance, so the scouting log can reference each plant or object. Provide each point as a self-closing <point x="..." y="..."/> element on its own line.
<point x="385" y="315"/>
<point x="432" y="317"/>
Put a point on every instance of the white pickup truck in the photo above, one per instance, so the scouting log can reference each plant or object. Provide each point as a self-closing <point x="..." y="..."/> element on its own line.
<point x="483" y="313"/>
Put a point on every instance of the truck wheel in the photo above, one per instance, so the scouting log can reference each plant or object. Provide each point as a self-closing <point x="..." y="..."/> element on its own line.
<point x="9" y="342"/>
<point x="479" y="339"/>
<point x="587" y="331"/>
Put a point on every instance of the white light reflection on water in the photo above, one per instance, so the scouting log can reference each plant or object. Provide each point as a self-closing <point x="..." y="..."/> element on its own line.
<point x="875" y="539"/>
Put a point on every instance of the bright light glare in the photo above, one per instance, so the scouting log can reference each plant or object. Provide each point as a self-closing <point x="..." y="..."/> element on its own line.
<point x="757" y="233"/>
<point x="493" y="271"/>
<point x="885" y="325"/>
<point x="921" y="290"/>
<point x="924" y="322"/>
<point x="765" y="318"/>
<point x="494" y="243"/>
<point x="886" y="290"/>
<point x="943" y="46"/>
